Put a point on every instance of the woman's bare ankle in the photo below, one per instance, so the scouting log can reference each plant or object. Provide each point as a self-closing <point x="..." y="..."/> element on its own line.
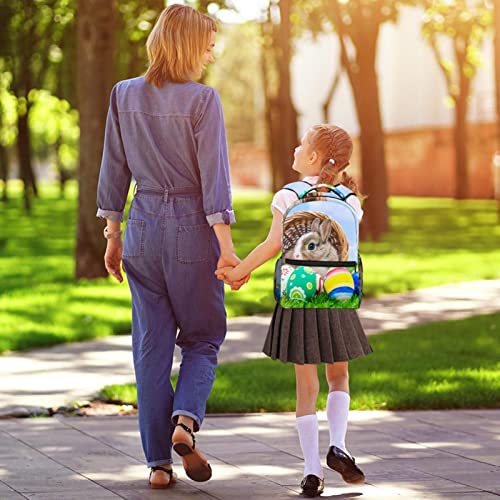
<point x="187" y="421"/>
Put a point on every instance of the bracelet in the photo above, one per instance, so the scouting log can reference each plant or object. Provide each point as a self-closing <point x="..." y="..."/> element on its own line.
<point x="110" y="236"/>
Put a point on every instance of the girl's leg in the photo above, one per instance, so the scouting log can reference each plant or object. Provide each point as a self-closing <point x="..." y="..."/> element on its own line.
<point x="307" y="385"/>
<point x="337" y="405"/>
<point x="337" y="411"/>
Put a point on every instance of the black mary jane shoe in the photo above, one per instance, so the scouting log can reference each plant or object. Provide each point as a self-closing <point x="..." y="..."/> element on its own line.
<point x="312" y="486"/>
<point x="162" y="486"/>
<point x="345" y="465"/>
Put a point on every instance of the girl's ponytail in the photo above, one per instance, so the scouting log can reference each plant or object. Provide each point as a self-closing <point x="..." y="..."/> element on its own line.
<point x="334" y="145"/>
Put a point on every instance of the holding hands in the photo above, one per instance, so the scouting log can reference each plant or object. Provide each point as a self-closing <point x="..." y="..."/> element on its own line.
<point x="227" y="271"/>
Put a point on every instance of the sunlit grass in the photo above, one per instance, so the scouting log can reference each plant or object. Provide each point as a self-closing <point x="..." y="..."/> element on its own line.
<point x="432" y="242"/>
<point x="448" y="364"/>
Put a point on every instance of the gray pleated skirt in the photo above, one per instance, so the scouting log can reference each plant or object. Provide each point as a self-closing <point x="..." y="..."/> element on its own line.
<point x="313" y="336"/>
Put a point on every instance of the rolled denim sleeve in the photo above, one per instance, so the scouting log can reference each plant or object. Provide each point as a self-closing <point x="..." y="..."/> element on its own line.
<point x="210" y="136"/>
<point x="114" y="176"/>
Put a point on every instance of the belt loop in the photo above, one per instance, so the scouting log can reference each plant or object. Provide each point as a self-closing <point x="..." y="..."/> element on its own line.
<point x="165" y="195"/>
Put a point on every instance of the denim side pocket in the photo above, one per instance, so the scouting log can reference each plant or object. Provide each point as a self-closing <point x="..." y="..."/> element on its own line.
<point x="133" y="243"/>
<point x="193" y="244"/>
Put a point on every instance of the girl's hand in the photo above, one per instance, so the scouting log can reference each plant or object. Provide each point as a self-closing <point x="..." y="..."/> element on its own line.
<point x="230" y="276"/>
<point x="226" y="274"/>
<point x="113" y="258"/>
<point x="236" y="285"/>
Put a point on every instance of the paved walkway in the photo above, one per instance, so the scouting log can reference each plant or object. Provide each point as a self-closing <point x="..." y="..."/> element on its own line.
<point x="58" y="375"/>
<point x="408" y="455"/>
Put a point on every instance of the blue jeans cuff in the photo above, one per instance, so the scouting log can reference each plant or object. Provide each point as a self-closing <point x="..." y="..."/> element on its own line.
<point x="185" y="413"/>
<point x="165" y="461"/>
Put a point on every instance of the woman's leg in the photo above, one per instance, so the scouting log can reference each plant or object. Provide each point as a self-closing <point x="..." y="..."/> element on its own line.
<point x="153" y="342"/>
<point x="307" y="386"/>
<point x="337" y="405"/>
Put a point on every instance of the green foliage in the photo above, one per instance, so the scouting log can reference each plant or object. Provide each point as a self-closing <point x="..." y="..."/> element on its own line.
<point x="31" y="47"/>
<point x="53" y="124"/>
<point x="243" y="121"/>
<point x="8" y="110"/>
<point x="464" y="24"/>
<point x="357" y="18"/>
<point x="136" y="19"/>
<point x="432" y="242"/>
<point x="442" y="365"/>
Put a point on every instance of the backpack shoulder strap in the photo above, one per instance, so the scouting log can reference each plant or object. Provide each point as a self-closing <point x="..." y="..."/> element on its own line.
<point x="345" y="191"/>
<point x="297" y="187"/>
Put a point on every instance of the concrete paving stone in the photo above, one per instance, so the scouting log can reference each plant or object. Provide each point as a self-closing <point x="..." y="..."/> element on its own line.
<point x="389" y="475"/>
<point x="72" y="495"/>
<point x="402" y="450"/>
<point x="6" y="490"/>
<point x="480" y="480"/>
<point x="178" y="492"/>
<point x="11" y="495"/>
<point x="41" y="481"/>
<point x="449" y="465"/>
<point x="487" y="459"/>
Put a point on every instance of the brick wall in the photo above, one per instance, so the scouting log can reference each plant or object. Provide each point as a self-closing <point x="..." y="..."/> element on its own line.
<point x="419" y="162"/>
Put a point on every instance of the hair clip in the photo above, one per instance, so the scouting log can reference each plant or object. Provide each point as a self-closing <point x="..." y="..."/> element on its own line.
<point x="332" y="161"/>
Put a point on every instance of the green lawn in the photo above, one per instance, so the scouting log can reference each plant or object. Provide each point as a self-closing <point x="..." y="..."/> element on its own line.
<point x="449" y="364"/>
<point x="432" y="241"/>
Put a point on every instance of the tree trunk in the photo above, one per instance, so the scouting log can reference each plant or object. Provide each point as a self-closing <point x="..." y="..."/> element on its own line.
<point x="460" y="145"/>
<point x="4" y="171"/>
<point x="331" y="93"/>
<point x="281" y="116"/>
<point x="460" y="132"/>
<point x="376" y="217"/>
<point x="24" y="155"/>
<point x="496" y="31"/>
<point x="95" y="29"/>
<point x="364" y="84"/>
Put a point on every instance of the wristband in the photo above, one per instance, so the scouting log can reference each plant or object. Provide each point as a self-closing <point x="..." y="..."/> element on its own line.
<point x="113" y="235"/>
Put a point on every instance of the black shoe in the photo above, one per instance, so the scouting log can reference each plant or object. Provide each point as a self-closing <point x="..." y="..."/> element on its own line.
<point x="345" y="465"/>
<point x="312" y="486"/>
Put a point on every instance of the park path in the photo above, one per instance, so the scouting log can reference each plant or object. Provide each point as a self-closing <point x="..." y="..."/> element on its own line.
<point x="412" y="455"/>
<point x="57" y="375"/>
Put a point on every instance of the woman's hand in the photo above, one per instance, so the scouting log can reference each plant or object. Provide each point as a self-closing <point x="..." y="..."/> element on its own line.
<point x="113" y="258"/>
<point x="228" y="261"/>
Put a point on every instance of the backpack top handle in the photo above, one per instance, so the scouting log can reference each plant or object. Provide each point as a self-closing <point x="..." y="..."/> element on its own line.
<point x="330" y="188"/>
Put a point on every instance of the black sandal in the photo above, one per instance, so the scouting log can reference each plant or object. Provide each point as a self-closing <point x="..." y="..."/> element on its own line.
<point x="162" y="486"/>
<point x="195" y="464"/>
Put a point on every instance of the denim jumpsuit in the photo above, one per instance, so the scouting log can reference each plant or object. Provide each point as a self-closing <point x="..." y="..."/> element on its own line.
<point x="172" y="141"/>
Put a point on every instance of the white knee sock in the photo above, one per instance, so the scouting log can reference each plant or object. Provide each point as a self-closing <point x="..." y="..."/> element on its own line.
<point x="337" y="412"/>
<point x="307" y="427"/>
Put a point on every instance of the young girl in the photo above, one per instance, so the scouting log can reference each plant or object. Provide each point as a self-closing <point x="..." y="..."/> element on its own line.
<point x="307" y="337"/>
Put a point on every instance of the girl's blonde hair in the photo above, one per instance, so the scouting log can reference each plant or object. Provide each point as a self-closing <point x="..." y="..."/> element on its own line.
<point x="334" y="146"/>
<point x="177" y="43"/>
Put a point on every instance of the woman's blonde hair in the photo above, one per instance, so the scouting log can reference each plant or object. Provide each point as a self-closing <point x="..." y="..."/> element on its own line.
<point x="334" y="146"/>
<point x="177" y="43"/>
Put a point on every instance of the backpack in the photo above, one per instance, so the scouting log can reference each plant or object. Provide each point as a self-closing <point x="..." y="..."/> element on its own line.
<point x="320" y="266"/>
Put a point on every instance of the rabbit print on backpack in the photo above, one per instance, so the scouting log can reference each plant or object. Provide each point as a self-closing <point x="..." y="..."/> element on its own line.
<point x="316" y="244"/>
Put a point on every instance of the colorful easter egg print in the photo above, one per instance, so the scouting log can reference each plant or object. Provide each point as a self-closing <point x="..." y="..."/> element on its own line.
<point x="339" y="283"/>
<point x="302" y="284"/>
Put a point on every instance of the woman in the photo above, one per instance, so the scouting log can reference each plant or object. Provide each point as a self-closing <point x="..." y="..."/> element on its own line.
<point x="167" y="132"/>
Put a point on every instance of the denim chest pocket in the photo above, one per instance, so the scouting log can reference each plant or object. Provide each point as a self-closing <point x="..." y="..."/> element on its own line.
<point x="133" y="243"/>
<point x="193" y="243"/>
